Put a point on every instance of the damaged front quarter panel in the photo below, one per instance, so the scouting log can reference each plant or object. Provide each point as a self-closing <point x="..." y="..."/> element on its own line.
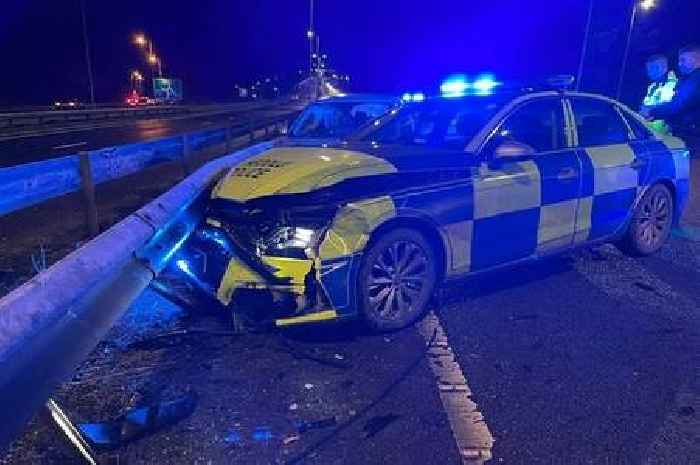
<point x="317" y="283"/>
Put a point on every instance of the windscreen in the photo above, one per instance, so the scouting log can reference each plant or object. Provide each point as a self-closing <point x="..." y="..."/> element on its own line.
<point x="335" y="119"/>
<point x="444" y="123"/>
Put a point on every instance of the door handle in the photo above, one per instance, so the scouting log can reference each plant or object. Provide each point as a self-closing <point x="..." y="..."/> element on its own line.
<point x="566" y="174"/>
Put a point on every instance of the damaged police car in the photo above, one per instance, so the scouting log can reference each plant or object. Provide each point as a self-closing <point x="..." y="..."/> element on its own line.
<point x="434" y="191"/>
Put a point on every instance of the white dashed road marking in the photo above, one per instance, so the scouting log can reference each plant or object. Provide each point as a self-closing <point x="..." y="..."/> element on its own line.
<point x="470" y="431"/>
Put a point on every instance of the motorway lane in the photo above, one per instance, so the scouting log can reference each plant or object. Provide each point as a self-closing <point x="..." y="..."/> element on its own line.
<point x="586" y="358"/>
<point x="39" y="144"/>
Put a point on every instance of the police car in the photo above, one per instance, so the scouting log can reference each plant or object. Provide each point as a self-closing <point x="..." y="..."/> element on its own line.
<point x="440" y="189"/>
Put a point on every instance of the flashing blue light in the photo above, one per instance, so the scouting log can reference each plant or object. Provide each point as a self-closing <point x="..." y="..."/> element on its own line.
<point x="459" y="86"/>
<point x="485" y="85"/>
<point x="455" y="86"/>
<point x="416" y="97"/>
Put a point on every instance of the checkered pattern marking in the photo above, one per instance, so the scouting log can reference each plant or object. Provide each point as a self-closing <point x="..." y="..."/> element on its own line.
<point x="515" y="188"/>
<point x="610" y="186"/>
<point x="528" y="208"/>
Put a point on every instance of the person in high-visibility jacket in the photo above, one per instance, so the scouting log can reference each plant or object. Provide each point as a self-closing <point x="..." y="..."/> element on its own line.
<point x="662" y="88"/>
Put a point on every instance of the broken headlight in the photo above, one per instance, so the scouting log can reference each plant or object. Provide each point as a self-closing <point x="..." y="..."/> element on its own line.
<point x="290" y="242"/>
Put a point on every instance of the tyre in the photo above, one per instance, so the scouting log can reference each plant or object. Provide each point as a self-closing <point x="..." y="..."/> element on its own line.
<point x="651" y="223"/>
<point x="396" y="280"/>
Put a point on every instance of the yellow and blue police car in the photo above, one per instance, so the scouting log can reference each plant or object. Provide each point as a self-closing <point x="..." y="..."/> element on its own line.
<point x="436" y="190"/>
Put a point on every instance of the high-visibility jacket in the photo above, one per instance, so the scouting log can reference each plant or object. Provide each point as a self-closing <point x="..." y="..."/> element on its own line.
<point x="661" y="91"/>
<point x="658" y="93"/>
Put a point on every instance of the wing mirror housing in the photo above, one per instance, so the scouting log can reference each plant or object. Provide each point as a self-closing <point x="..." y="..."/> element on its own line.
<point x="507" y="150"/>
<point x="511" y="149"/>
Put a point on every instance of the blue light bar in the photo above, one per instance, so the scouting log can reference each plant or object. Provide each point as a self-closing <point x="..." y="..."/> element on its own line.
<point x="484" y="85"/>
<point x="455" y="86"/>
<point x="416" y="97"/>
<point x="459" y="86"/>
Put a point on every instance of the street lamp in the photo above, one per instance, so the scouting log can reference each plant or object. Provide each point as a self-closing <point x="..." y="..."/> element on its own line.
<point x="154" y="60"/>
<point x="645" y="5"/>
<point x="140" y="40"/>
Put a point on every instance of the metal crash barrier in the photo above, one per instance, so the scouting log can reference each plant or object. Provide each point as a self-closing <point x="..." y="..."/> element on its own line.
<point x="51" y="323"/>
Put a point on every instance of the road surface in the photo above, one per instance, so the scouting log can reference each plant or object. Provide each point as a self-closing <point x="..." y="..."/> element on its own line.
<point x="19" y="146"/>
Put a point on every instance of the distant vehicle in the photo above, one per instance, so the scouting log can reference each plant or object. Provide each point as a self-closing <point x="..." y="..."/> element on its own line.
<point x="67" y="105"/>
<point x="440" y="189"/>
<point x="167" y="91"/>
<point x="339" y="116"/>
<point x="139" y="101"/>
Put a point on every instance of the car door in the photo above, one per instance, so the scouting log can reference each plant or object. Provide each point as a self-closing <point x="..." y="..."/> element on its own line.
<point x="526" y="205"/>
<point x="613" y="167"/>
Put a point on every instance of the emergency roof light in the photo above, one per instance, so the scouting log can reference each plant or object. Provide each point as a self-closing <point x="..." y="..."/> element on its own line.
<point x="459" y="86"/>
<point x="413" y="97"/>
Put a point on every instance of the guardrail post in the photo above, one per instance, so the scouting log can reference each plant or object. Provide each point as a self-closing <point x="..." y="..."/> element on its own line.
<point x="186" y="154"/>
<point x="251" y="131"/>
<point x="88" y="184"/>
<point x="228" y="138"/>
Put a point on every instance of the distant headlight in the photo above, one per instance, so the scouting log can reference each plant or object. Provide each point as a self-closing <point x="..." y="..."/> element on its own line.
<point x="289" y="241"/>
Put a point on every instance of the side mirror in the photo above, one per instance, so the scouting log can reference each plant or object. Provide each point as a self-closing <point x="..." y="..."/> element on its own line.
<point x="510" y="149"/>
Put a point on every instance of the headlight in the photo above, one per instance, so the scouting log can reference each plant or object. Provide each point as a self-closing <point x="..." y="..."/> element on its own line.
<point x="289" y="241"/>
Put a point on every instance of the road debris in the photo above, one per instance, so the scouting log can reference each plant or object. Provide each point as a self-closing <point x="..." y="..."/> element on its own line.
<point x="138" y="422"/>
<point x="290" y="439"/>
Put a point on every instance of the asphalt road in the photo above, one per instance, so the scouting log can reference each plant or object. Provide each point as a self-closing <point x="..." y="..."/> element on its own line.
<point x="590" y="358"/>
<point x="19" y="146"/>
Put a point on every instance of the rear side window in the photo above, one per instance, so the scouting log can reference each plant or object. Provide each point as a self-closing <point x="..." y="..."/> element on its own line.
<point x="641" y="132"/>
<point x="598" y="123"/>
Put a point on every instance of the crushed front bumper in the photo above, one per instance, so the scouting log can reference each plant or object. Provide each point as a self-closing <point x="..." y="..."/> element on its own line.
<point x="299" y="290"/>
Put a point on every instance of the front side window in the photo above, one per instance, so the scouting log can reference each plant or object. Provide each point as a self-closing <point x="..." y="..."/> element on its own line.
<point x="443" y="124"/>
<point x="598" y="123"/>
<point x="335" y="119"/>
<point x="539" y="124"/>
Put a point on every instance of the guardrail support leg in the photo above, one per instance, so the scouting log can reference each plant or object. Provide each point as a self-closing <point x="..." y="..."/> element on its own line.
<point x="251" y="130"/>
<point x="186" y="154"/>
<point x="89" y="193"/>
<point x="228" y="139"/>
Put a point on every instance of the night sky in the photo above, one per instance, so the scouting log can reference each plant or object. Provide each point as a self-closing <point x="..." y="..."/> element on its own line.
<point x="385" y="45"/>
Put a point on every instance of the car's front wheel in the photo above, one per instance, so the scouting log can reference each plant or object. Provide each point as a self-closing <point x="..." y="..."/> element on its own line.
<point x="396" y="280"/>
<point x="651" y="222"/>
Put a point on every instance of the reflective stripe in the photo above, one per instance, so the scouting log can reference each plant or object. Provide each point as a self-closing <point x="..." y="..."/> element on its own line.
<point x="326" y="315"/>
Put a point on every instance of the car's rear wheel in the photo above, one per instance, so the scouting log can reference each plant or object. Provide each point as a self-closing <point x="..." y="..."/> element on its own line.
<point x="396" y="280"/>
<point x="651" y="222"/>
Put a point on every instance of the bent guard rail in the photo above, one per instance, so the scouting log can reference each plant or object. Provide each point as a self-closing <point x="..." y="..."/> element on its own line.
<point x="51" y="323"/>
